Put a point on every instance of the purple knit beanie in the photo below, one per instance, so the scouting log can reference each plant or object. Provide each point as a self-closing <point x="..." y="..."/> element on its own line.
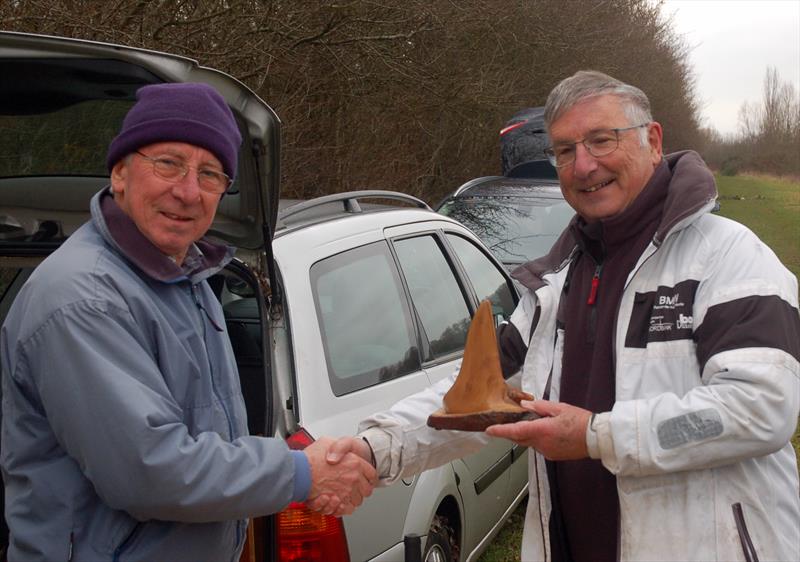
<point x="192" y="113"/>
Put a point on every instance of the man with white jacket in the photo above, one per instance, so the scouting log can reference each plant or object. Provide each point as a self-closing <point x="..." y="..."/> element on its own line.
<point x="662" y="343"/>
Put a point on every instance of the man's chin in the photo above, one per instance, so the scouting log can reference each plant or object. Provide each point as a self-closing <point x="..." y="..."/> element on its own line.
<point x="172" y="247"/>
<point x="597" y="215"/>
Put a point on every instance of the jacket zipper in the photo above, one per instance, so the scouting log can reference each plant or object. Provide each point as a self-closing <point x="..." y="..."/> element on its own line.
<point x="203" y="309"/>
<point x="592" y="301"/>
<point x="228" y="418"/>
<point x="595" y="285"/>
<point x="204" y="312"/>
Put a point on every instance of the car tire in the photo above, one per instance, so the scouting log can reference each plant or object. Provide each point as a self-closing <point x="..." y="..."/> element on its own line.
<point x="441" y="544"/>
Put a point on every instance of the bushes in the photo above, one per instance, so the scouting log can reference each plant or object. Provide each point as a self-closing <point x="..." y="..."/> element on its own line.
<point x="731" y="167"/>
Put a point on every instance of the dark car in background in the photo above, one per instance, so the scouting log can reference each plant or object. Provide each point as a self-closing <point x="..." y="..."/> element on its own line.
<point x="522" y="143"/>
<point x="520" y="214"/>
<point x="519" y="219"/>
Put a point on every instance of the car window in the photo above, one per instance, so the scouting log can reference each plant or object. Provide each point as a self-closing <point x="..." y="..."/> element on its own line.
<point x="70" y="140"/>
<point x="515" y="229"/>
<point x="7" y="276"/>
<point x="366" y="326"/>
<point x="487" y="279"/>
<point x="436" y="294"/>
<point x="11" y="281"/>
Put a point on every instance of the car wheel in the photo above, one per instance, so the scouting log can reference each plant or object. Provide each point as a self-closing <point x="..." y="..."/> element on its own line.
<point x="441" y="544"/>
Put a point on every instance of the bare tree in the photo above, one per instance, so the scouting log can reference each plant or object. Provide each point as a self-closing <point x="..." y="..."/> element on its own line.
<point x="768" y="133"/>
<point x="398" y="94"/>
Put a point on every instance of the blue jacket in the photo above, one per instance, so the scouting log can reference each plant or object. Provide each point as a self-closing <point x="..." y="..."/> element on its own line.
<point x="124" y="432"/>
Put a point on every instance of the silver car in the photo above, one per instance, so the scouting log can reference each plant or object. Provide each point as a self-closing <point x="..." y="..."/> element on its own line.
<point x="336" y="307"/>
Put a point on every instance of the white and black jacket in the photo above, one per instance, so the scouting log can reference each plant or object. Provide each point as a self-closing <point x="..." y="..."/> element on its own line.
<point x="707" y="343"/>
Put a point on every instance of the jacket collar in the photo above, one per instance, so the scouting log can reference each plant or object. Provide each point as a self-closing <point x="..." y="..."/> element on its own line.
<point x="203" y="259"/>
<point x="691" y="192"/>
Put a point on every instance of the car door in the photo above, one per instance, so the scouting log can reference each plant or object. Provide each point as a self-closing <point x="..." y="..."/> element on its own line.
<point x="355" y="354"/>
<point x="443" y="303"/>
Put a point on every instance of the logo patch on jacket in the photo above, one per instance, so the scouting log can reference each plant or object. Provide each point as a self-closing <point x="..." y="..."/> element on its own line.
<point x="662" y="315"/>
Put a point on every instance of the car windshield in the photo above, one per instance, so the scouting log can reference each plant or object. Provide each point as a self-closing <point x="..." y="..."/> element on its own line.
<point x="516" y="229"/>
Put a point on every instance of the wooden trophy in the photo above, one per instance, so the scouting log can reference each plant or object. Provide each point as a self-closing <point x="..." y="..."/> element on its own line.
<point x="480" y="396"/>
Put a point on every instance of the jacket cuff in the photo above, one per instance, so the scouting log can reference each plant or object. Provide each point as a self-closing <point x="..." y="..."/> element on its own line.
<point x="591" y="439"/>
<point x="302" y="476"/>
<point x="381" y="444"/>
<point x="604" y="450"/>
<point x="599" y="442"/>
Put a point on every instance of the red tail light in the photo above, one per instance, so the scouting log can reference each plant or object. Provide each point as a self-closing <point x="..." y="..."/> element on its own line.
<point x="299" y="440"/>
<point x="305" y="535"/>
<point x="510" y="128"/>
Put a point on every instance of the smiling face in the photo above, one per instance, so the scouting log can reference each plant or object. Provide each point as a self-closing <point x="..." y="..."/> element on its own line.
<point x="171" y="215"/>
<point x="602" y="187"/>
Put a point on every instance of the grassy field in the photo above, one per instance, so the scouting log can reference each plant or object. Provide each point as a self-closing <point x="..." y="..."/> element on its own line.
<point x="769" y="207"/>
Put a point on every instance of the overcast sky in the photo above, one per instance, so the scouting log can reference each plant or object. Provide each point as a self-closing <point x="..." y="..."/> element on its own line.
<point x="734" y="41"/>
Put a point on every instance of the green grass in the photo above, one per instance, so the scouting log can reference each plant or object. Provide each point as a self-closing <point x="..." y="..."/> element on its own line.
<point x="506" y="545"/>
<point x="770" y="207"/>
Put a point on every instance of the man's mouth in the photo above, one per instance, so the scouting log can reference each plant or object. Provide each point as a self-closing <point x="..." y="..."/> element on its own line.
<point x="595" y="187"/>
<point x="175" y="217"/>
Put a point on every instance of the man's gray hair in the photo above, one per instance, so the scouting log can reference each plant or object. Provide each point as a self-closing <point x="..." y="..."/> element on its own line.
<point x="586" y="84"/>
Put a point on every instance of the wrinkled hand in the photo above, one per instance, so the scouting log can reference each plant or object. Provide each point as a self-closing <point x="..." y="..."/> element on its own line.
<point x="338" y="488"/>
<point x="560" y="434"/>
<point x="345" y="445"/>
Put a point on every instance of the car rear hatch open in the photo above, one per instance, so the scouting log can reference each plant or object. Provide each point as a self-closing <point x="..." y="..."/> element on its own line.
<point x="61" y="103"/>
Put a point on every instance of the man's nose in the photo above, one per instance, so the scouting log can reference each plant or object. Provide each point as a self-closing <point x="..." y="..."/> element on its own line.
<point x="188" y="188"/>
<point x="584" y="163"/>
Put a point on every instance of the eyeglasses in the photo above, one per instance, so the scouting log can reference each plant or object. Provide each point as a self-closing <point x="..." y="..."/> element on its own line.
<point x="597" y="143"/>
<point x="172" y="170"/>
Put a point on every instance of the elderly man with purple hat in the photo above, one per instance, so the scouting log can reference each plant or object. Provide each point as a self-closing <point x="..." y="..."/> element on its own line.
<point x="124" y="428"/>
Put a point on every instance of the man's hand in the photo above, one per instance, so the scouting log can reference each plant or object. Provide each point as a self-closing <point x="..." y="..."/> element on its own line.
<point x="338" y="489"/>
<point x="560" y="434"/>
<point x="345" y="445"/>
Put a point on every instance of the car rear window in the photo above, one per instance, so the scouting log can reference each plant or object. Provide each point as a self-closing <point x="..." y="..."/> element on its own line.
<point x="57" y="115"/>
<point x="515" y="229"/>
<point x="70" y="141"/>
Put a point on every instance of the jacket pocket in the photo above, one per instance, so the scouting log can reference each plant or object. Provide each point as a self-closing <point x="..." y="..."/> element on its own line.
<point x="748" y="549"/>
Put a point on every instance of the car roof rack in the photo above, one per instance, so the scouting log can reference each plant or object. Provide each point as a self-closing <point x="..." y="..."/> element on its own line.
<point x="473" y="182"/>
<point x="350" y="201"/>
<point x="504" y="186"/>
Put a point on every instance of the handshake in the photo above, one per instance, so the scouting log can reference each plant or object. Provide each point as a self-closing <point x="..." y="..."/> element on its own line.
<point x="342" y="474"/>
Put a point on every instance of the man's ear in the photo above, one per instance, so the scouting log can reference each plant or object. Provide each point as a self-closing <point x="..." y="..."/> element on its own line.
<point x="655" y="137"/>
<point x="119" y="176"/>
